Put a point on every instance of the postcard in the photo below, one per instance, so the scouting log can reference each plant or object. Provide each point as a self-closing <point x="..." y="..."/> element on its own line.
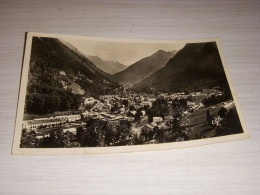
<point x="89" y="95"/>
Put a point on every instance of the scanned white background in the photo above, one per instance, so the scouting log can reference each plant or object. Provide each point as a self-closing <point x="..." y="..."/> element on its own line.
<point x="225" y="168"/>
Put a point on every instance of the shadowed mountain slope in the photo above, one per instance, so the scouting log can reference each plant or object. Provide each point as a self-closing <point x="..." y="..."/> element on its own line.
<point x="196" y="66"/>
<point x="143" y="68"/>
<point x="59" y="75"/>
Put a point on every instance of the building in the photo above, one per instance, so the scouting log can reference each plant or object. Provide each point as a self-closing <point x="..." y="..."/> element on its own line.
<point x="154" y="124"/>
<point x="69" y="118"/>
<point x="97" y="107"/>
<point x="72" y="130"/>
<point x="131" y="113"/>
<point x="117" y="118"/>
<point x="86" y="113"/>
<point x="147" y="128"/>
<point x="107" y="116"/>
<point x="198" y="97"/>
<point x="191" y="104"/>
<point x="185" y="113"/>
<point x="89" y="101"/>
<point x="143" y="113"/>
<point x="122" y="109"/>
<point x="163" y="126"/>
<point x="73" y="118"/>
<point x="169" y="117"/>
<point x="62" y="73"/>
<point x="147" y="103"/>
<point x="157" y="119"/>
<point x="34" y="124"/>
<point x="107" y="107"/>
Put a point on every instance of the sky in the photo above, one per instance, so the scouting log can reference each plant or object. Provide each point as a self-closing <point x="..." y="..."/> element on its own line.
<point x="126" y="53"/>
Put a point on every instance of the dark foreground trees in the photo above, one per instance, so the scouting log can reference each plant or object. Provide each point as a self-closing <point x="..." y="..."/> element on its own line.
<point x="230" y="123"/>
<point x="48" y="103"/>
<point x="29" y="140"/>
<point x="57" y="139"/>
<point x="96" y="133"/>
<point x="102" y="133"/>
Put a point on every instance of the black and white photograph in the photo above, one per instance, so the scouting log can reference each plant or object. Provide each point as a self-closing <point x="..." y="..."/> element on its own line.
<point x="89" y="92"/>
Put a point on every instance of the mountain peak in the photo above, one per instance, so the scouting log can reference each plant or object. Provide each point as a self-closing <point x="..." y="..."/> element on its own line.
<point x="161" y="51"/>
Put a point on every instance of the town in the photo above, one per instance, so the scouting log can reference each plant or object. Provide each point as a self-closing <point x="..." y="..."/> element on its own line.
<point x="145" y="112"/>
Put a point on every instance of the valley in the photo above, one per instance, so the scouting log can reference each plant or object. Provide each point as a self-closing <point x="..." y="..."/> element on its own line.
<point x="78" y="100"/>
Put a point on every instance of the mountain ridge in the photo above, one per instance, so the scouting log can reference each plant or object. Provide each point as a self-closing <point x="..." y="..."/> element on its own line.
<point x="108" y="66"/>
<point x="196" y="66"/>
<point x="143" y="68"/>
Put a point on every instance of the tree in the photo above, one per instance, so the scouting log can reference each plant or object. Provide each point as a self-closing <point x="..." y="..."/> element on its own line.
<point x="102" y="133"/>
<point x="177" y="129"/>
<point x="159" y="135"/>
<point x="138" y="114"/>
<point x="125" y="102"/>
<point x="59" y="139"/>
<point x="115" y="107"/>
<point x="230" y="124"/>
<point x="123" y="134"/>
<point x="159" y="108"/>
<point x="80" y="133"/>
<point x="132" y="108"/>
<point x="222" y="112"/>
<point x="97" y="133"/>
<point x="29" y="140"/>
<point x="208" y="117"/>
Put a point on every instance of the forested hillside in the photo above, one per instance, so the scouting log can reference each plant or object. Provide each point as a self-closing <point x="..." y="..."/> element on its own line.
<point x="55" y="70"/>
<point x="195" y="67"/>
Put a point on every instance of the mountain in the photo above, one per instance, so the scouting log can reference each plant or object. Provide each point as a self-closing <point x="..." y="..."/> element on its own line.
<point x="91" y="66"/>
<point x="196" y="66"/>
<point x="108" y="66"/>
<point x="59" y="76"/>
<point x="143" y="68"/>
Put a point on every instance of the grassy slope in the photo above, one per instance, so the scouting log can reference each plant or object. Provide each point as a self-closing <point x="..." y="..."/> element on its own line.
<point x="198" y="121"/>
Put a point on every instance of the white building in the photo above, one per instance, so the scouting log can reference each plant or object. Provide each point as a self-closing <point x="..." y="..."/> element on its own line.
<point x="72" y="130"/>
<point x="157" y="119"/>
<point x="73" y="118"/>
<point x="89" y="101"/>
<point x="34" y="124"/>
